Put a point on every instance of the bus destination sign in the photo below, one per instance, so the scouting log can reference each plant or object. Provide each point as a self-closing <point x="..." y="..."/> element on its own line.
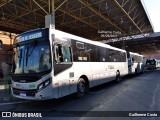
<point x="30" y="36"/>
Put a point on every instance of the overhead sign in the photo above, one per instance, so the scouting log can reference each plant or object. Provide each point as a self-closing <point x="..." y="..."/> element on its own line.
<point x="109" y="34"/>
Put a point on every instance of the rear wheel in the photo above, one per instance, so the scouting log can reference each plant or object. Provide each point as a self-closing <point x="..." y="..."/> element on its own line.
<point x="81" y="88"/>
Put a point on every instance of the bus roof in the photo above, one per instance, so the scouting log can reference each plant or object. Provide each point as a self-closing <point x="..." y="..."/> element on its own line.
<point x="60" y="34"/>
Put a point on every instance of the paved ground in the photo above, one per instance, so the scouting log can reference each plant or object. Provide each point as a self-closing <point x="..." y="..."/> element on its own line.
<point x="5" y="96"/>
<point x="4" y="91"/>
<point x="133" y="94"/>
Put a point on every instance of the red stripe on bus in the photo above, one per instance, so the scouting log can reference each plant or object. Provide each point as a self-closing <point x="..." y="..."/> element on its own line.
<point x="56" y="84"/>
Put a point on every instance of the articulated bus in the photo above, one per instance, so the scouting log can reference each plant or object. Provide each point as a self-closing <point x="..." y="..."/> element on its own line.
<point x="50" y="64"/>
<point x="135" y="63"/>
<point x="152" y="64"/>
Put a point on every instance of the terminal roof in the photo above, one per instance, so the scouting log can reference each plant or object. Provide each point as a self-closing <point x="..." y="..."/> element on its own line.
<point x="85" y="18"/>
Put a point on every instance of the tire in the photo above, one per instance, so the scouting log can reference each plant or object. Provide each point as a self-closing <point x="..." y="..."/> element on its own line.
<point x="118" y="77"/>
<point x="81" y="88"/>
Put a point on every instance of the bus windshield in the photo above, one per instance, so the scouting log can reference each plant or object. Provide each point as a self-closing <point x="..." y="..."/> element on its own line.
<point x="32" y="58"/>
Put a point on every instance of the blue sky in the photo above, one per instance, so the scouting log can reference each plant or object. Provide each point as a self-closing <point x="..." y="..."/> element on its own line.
<point x="152" y="8"/>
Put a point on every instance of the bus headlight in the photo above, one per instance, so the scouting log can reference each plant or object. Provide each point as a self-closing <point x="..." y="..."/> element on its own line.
<point x="40" y="87"/>
<point x="44" y="84"/>
<point x="47" y="83"/>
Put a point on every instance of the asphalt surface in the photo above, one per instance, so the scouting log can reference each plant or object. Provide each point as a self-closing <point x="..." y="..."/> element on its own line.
<point x="111" y="101"/>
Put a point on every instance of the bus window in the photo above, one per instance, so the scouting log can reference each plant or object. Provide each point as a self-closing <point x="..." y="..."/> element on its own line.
<point x="58" y="53"/>
<point x="62" y="53"/>
<point x="66" y="54"/>
<point x="112" y="55"/>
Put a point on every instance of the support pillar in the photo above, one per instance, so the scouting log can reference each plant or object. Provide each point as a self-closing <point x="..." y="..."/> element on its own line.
<point x="50" y="18"/>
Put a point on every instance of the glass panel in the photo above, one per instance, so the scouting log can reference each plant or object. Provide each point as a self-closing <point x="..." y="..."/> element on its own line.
<point x="58" y="53"/>
<point x="62" y="53"/>
<point x="66" y="54"/>
<point x="32" y="58"/>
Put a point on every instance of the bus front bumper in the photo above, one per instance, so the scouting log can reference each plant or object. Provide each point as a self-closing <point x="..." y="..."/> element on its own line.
<point x="44" y="94"/>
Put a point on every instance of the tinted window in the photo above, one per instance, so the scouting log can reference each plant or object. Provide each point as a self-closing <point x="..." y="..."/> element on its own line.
<point x="112" y="55"/>
<point x="88" y="52"/>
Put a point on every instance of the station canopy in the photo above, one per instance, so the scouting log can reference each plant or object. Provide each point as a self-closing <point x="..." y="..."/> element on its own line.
<point x="93" y="19"/>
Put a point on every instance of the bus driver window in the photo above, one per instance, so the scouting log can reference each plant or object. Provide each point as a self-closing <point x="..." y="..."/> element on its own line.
<point x="62" y="53"/>
<point x="58" y="53"/>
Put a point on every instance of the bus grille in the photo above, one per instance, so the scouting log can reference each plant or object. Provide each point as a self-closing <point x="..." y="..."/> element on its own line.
<point x="28" y="92"/>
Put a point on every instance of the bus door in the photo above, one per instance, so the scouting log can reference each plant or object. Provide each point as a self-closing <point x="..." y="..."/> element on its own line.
<point x="63" y="69"/>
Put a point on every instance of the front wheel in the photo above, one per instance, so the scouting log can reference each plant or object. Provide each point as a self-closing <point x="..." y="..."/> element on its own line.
<point x="81" y="88"/>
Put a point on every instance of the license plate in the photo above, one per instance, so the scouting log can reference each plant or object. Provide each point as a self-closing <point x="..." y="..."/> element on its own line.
<point x="23" y="94"/>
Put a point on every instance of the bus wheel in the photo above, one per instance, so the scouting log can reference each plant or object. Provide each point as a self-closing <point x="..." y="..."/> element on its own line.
<point x="118" y="77"/>
<point x="81" y="88"/>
